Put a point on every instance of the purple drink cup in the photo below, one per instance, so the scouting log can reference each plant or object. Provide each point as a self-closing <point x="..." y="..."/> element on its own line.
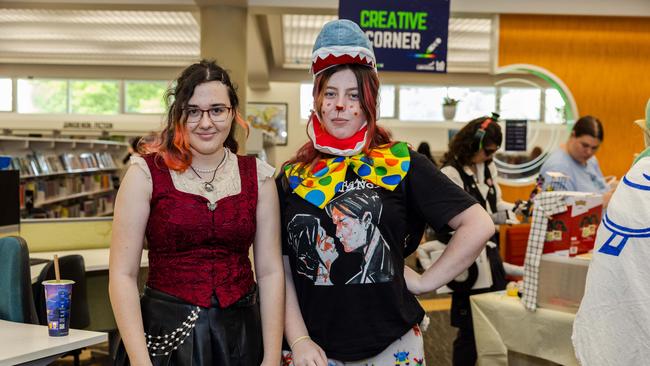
<point x="58" y="297"/>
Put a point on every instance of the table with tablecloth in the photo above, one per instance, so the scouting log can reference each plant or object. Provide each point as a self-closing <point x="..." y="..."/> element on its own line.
<point x="502" y="324"/>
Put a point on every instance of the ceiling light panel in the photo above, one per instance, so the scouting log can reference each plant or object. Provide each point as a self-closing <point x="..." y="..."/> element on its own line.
<point x="98" y="36"/>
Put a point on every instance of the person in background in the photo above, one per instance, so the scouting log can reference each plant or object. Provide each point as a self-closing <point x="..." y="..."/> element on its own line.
<point x="575" y="160"/>
<point x="535" y="153"/>
<point x="469" y="164"/>
<point x="613" y="322"/>
<point x="200" y="206"/>
<point x="350" y="298"/>
<point x="132" y="149"/>
<point x="424" y="149"/>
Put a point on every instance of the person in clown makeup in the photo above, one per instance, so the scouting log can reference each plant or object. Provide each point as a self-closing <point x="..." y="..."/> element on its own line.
<point x="371" y="198"/>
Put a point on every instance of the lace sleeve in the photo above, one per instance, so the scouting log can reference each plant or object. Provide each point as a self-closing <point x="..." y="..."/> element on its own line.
<point x="264" y="171"/>
<point x="138" y="161"/>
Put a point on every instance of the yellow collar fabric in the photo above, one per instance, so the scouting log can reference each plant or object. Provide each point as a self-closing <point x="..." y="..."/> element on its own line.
<point x="385" y="166"/>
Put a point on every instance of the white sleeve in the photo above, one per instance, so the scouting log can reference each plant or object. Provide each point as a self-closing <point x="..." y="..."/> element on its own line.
<point x="453" y="175"/>
<point x="264" y="171"/>
<point x="501" y="204"/>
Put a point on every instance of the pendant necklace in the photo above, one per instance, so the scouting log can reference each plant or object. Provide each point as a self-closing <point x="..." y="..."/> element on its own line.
<point x="207" y="186"/>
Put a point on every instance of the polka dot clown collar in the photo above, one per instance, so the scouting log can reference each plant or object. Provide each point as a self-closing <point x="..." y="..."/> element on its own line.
<point x="341" y="42"/>
<point x="385" y="166"/>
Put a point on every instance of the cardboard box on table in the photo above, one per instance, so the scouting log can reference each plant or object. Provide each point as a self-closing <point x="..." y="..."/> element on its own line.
<point x="569" y="237"/>
<point x="574" y="230"/>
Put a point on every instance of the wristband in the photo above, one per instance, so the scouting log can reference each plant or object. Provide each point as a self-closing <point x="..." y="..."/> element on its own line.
<point x="298" y="340"/>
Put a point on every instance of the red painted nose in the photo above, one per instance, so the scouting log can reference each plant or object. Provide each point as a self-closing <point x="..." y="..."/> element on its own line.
<point x="339" y="107"/>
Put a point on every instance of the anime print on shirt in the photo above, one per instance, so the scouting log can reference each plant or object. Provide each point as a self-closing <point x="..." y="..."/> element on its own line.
<point x="356" y="252"/>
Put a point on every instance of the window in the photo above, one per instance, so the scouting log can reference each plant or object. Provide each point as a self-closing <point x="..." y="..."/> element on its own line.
<point x="6" y="94"/>
<point x="520" y="103"/>
<point x="42" y="96"/>
<point x="386" y="101"/>
<point x="421" y="103"/>
<point x="144" y="96"/>
<point x="554" y="107"/>
<point x="306" y="101"/>
<point x="94" y="97"/>
<point x="474" y="102"/>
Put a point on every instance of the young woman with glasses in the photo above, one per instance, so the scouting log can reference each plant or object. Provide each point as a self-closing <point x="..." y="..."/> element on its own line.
<point x="468" y="163"/>
<point x="199" y="206"/>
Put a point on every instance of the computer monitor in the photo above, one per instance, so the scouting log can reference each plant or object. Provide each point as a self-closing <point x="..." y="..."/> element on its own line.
<point x="9" y="200"/>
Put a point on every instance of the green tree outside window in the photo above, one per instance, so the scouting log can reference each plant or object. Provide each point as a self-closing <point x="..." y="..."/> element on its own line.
<point x="42" y="96"/>
<point x="145" y="96"/>
<point x="94" y="97"/>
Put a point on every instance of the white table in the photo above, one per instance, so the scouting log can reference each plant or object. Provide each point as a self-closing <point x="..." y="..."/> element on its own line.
<point x="94" y="259"/>
<point x="28" y="343"/>
<point x="502" y="324"/>
<point x="96" y="262"/>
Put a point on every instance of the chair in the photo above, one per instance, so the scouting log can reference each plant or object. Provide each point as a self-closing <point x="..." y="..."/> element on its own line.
<point x="71" y="267"/>
<point x="17" y="304"/>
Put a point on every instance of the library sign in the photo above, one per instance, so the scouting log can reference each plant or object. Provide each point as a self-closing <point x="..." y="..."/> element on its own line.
<point x="406" y="35"/>
<point x="88" y="125"/>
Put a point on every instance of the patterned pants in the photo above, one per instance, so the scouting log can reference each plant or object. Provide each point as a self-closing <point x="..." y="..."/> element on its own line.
<point x="406" y="350"/>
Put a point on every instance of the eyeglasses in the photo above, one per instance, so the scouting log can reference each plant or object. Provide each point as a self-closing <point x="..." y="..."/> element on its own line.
<point x="216" y="114"/>
<point x="489" y="152"/>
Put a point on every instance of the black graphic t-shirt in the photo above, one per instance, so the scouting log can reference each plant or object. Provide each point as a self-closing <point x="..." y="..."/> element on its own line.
<point x="347" y="259"/>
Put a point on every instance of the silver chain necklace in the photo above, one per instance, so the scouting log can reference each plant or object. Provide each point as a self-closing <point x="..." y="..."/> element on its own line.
<point x="208" y="185"/>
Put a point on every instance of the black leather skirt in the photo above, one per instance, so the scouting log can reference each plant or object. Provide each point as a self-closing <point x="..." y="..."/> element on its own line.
<point x="179" y="333"/>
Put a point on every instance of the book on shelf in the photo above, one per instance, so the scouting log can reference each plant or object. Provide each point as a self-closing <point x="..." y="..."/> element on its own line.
<point x="43" y="164"/>
<point x="88" y="161"/>
<point x="105" y="160"/>
<point x="55" y="163"/>
<point x="7" y="163"/>
<point x="35" y="169"/>
<point x="77" y="207"/>
<point x="15" y="164"/>
<point x="71" y="162"/>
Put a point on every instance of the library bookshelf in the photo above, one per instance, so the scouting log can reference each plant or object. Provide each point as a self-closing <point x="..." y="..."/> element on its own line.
<point x="61" y="178"/>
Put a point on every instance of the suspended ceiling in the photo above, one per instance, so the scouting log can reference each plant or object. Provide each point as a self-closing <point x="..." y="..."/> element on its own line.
<point x="172" y="38"/>
<point x="167" y="32"/>
<point x="102" y="37"/>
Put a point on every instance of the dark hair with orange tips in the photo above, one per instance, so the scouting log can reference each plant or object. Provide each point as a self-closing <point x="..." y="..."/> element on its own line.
<point x="172" y="144"/>
<point x="462" y="146"/>
<point x="368" y="87"/>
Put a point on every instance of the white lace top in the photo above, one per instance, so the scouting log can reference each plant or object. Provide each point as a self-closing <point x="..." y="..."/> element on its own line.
<point x="226" y="182"/>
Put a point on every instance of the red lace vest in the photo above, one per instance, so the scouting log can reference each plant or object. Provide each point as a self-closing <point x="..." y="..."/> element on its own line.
<point x="195" y="252"/>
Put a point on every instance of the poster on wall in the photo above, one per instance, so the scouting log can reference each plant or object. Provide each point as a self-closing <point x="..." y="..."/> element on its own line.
<point x="516" y="133"/>
<point x="270" y="117"/>
<point x="406" y="35"/>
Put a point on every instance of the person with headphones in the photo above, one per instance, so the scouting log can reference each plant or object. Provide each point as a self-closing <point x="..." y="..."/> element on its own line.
<point x="468" y="163"/>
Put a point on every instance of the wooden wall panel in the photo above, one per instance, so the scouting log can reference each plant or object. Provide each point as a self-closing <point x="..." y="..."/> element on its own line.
<point x="604" y="61"/>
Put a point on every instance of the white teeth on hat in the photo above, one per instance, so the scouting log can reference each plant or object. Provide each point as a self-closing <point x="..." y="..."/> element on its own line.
<point x="365" y="54"/>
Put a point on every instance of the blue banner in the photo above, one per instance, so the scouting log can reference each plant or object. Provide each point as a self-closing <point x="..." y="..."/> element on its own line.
<point x="406" y="35"/>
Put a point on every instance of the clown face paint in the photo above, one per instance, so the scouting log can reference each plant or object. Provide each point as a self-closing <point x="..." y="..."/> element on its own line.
<point x="340" y="110"/>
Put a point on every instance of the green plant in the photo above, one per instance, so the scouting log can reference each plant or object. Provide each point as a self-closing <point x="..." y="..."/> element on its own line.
<point x="450" y="101"/>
